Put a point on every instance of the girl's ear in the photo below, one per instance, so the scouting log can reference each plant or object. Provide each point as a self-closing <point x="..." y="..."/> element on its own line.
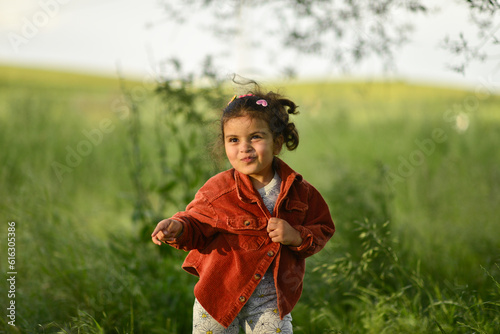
<point x="278" y="144"/>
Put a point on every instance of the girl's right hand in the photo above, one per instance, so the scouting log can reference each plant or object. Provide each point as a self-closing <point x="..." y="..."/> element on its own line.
<point x="167" y="230"/>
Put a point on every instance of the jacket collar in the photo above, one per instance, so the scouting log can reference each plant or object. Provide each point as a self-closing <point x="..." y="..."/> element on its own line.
<point x="248" y="194"/>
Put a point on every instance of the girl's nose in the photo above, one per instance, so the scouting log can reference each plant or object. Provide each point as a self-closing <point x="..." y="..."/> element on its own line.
<point x="245" y="147"/>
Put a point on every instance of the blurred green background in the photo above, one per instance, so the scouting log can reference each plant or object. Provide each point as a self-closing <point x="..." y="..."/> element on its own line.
<point x="90" y="164"/>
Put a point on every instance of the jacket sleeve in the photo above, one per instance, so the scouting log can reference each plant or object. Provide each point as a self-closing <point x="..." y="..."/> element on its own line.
<point x="318" y="226"/>
<point x="199" y="224"/>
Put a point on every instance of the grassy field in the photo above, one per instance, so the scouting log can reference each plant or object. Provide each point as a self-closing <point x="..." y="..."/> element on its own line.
<point x="411" y="174"/>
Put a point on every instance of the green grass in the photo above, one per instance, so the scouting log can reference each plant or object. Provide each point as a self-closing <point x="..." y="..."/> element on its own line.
<point x="83" y="266"/>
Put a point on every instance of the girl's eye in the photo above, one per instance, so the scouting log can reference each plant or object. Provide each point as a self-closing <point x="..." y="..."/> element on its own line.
<point x="233" y="140"/>
<point x="256" y="137"/>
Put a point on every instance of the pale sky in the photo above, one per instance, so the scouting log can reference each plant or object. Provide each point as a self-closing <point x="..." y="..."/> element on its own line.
<point x="96" y="35"/>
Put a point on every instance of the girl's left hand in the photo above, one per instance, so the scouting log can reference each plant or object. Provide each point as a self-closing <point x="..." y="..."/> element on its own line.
<point x="280" y="231"/>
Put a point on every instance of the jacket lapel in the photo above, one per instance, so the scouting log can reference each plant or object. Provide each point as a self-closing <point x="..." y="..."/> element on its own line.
<point x="246" y="192"/>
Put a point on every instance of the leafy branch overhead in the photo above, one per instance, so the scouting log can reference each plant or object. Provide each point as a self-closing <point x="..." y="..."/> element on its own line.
<point x="345" y="32"/>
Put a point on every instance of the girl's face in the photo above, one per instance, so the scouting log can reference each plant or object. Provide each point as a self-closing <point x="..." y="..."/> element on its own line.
<point x="250" y="148"/>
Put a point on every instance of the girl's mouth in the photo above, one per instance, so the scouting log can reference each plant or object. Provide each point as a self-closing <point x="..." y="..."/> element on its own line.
<point x="248" y="159"/>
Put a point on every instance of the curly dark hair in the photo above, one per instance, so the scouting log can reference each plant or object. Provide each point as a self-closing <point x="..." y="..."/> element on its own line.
<point x="270" y="107"/>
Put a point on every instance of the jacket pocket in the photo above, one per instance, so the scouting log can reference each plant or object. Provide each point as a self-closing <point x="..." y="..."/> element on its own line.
<point x="245" y="242"/>
<point x="294" y="212"/>
<point x="293" y="205"/>
<point x="246" y="224"/>
<point x="248" y="233"/>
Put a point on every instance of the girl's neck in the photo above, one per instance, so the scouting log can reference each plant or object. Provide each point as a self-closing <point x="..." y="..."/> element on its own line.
<point x="259" y="183"/>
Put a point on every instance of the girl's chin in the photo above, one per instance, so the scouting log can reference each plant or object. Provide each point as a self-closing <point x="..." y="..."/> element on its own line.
<point x="250" y="172"/>
<point x="253" y="170"/>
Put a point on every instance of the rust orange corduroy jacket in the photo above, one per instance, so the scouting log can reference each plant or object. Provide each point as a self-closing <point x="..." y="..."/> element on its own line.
<point x="230" y="250"/>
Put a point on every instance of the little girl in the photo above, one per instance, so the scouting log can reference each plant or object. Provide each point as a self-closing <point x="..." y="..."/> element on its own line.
<point x="249" y="229"/>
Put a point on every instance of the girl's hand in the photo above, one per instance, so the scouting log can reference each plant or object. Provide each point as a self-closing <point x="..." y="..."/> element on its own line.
<point x="280" y="231"/>
<point x="167" y="230"/>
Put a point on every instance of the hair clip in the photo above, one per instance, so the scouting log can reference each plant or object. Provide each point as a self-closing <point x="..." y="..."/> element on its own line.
<point x="239" y="97"/>
<point x="232" y="99"/>
<point x="262" y="102"/>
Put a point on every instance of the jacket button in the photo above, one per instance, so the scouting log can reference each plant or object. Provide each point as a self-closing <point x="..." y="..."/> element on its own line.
<point x="242" y="299"/>
<point x="270" y="253"/>
<point x="257" y="277"/>
<point x="246" y="223"/>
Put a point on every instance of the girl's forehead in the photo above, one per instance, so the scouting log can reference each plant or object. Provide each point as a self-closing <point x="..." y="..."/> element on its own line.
<point x="245" y="123"/>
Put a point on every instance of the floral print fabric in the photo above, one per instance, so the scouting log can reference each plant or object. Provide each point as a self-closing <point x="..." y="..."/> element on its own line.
<point x="259" y="315"/>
